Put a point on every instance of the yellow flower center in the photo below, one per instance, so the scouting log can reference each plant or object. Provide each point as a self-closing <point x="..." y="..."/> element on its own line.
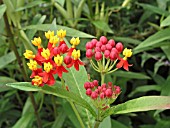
<point x="37" y="80"/>
<point x="32" y="65"/>
<point x="127" y="53"/>
<point x="58" y="60"/>
<point x="47" y="67"/>
<point x="61" y="33"/>
<point x="76" y="54"/>
<point x="37" y="42"/>
<point x="29" y="54"/>
<point x="75" y="42"/>
<point x="49" y="34"/>
<point x="45" y="53"/>
<point x="54" y="40"/>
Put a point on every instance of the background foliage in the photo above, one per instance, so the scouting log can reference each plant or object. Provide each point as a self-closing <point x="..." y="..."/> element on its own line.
<point x="139" y="24"/>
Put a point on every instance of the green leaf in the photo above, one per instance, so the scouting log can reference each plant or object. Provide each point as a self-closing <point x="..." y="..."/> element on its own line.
<point x="106" y="122"/>
<point x="165" y="22"/>
<point x="157" y="65"/>
<point x="166" y="51"/>
<point x="58" y="123"/>
<point x="24" y="121"/>
<point x="154" y="9"/>
<point x="56" y="91"/>
<point x="70" y="31"/>
<point x="127" y="40"/>
<point x="145" y="88"/>
<point x="4" y="80"/>
<point x="102" y="25"/>
<point x="131" y="75"/>
<point x="6" y="59"/>
<point x="2" y="10"/>
<point x="145" y="103"/>
<point x="117" y="124"/>
<point x="155" y="39"/>
<point x="30" y="5"/>
<point x="166" y="87"/>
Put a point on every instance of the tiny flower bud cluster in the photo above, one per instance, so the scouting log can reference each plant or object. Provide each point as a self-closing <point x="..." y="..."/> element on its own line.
<point x="102" y="95"/>
<point x="108" y="51"/>
<point x="54" y="59"/>
<point x="107" y="48"/>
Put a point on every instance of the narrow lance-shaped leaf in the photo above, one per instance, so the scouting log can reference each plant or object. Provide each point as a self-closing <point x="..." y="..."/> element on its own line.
<point x="56" y="91"/>
<point x="145" y="103"/>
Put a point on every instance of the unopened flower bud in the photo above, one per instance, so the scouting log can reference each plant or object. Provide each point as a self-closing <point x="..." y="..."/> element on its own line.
<point x="67" y="60"/>
<point x="119" y="47"/>
<point x="89" y="53"/>
<point x="102" y="95"/>
<point x="103" y="85"/>
<point x="103" y="48"/>
<point x="113" y="56"/>
<point x="88" y="92"/>
<point x="103" y="39"/>
<point x="98" y="56"/>
<point x="108" y="93"/>
<point x="87" y="85"/>
<point x="106" y="54"/>
<point x="89" y="45"/>
<point x="98" y="44"/>
<point x="111" y="42"/>
<point x="95" y="82"/>
<point x="117" y="89"/>
<point x="94" y="42"/>
<point x="63" y="48"/>
<point x="109" y="47"/>
<point x="56" y="51"/>
<point x="97" y="49"/>
<point x="94" y="95"/>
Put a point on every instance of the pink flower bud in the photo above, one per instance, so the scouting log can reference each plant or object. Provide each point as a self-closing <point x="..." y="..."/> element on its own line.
<point x="94" y="95"/>
<point x="110" y="84"/>
<point x="114" y="50"/>
<point x="97" y="91"/>
<point x="67" y="60"/>
<point x="63" y="48"/>
<point x="111" y="42"/>
<point x="94" y="42"/>
<point x="88" y="92"/>
<point x="103" y="39"/>
<point x="95" y="82"/>
<point x="119" y="47"/>
<point x="109" y="47"/>
<point x="56" y="51"/>
<point x="113" y="56"/>
<point x="102" y="96"/>
<point x="89" y="45"/>
<point x="89" y="53"/>
<point x="99" y="88"/>
<point x="98" y="44"/>
<point x="103" y="48"/>
<point x="103" y="85"/>
<point x="97" y="49"/>
<point x="87" y="85"/>
<point x="106" y="54"/>
<point x="108" y="93"/>
<point x="91" y="85"/>
<point x="117" y="89"/>
<point x="98" y="56"/>
<point x="104" y="89"/>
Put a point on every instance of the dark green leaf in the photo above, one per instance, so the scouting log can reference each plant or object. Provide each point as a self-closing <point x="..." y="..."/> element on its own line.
<point x="2" y="10"/>
<point x="145" y="103"/>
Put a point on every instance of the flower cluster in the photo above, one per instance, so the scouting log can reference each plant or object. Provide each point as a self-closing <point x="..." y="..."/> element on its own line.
<point x="102" y="95"/>
<point x="109" y="50"/>
<point x="54" y="59"/>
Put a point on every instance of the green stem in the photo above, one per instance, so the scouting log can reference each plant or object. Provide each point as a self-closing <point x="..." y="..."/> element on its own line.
<point x="112" y="71"/>
<point x="97" y="123"/>
<point x="14" y="48"/>
<point x="102" y="78"/>
<point x="73" y="107"/>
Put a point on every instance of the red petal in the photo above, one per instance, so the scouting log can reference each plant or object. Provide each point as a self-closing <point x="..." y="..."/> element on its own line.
<point x="80" y="62"/>
<point x="51" y="80"/>
<point x="120" y="64"/>
<point x="45" y="77"/>
<point x="125" y="66"/>
<point x="76" y="65"/>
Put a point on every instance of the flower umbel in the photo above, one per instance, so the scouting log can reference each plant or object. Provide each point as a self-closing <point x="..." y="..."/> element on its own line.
<point x="49" y="61"/>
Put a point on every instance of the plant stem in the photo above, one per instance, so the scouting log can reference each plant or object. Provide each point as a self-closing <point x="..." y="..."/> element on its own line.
<point x="102" y="78"/>
<point x="14" y="48"/>
<point x="73" y="107"/>
<point x="97" y="123"/>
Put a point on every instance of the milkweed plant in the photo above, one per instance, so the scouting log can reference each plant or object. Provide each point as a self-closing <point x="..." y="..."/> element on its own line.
<point x="50" y="64"/>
